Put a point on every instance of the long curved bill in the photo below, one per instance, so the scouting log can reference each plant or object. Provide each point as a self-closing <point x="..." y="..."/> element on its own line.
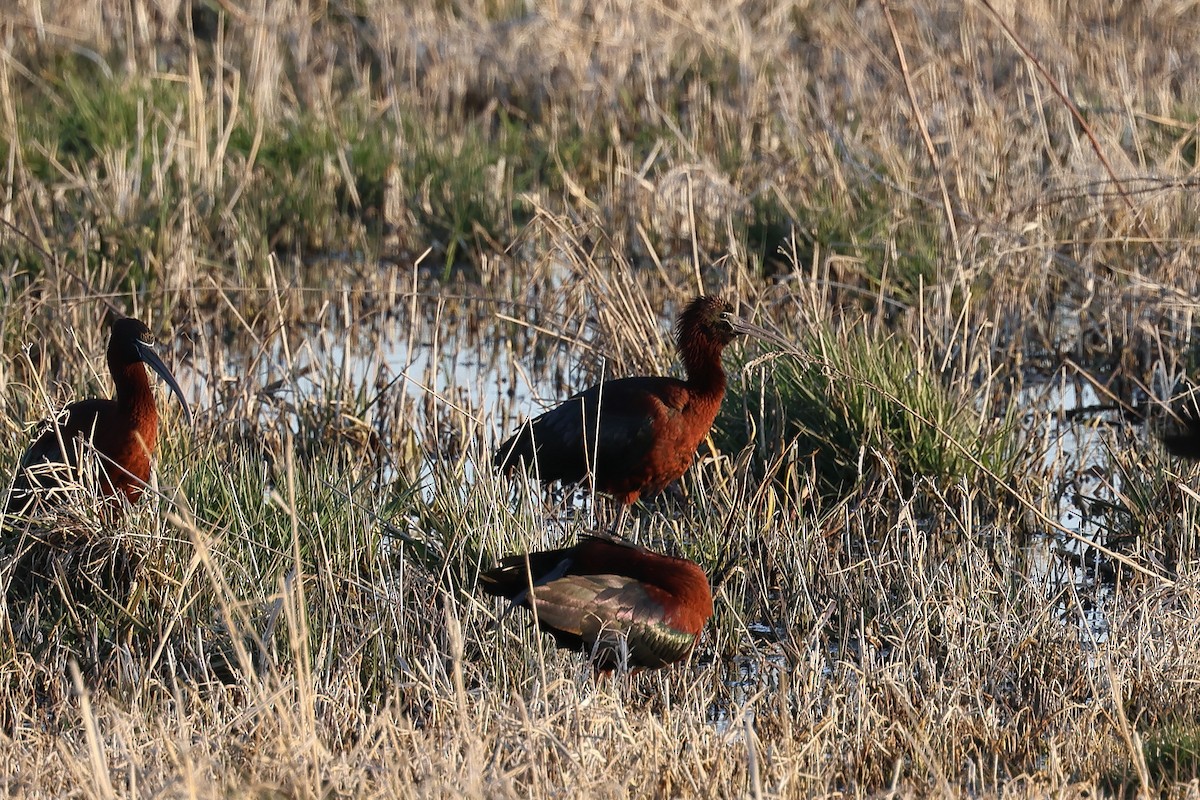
<point x="151" y="358"/>
<point x="746" y="328"/>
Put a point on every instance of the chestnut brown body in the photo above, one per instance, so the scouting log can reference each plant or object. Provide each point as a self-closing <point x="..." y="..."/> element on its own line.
<point x="123" y="431"/>
<point x="624" y="605"/>
<point x="636" y="435"/>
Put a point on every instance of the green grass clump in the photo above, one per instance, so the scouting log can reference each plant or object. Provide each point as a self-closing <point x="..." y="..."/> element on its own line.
<point x="90" y="141"/>
<point x="80" y="112"/>
<point x="896" y="246"/>
<point x="852" y="407"/>
<point x="464" y="185"/>
<point x="308" y="182"/>
<point x="313" y="178"/>
<point x="1172" y="752"/>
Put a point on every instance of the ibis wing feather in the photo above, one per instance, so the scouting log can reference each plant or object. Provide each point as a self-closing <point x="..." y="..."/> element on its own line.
<point x="625" y="604"/>
<point x="1180" y="434"/>
<point x="560" y="443"/>
<point x="570" y="603"/>
<point x="613" y="615"/>
<point x="44" y="466"/>
<point x="1183" y="445"/>
<point x="76" y="419"/>
<point x="511" y="578"/>
<point x="646" y="643"/>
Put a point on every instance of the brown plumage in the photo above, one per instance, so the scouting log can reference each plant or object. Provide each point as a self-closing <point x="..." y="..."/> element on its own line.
<point x="624" y="605"/>
<point x="123" y="431"/>
<point x="634" y="435"/>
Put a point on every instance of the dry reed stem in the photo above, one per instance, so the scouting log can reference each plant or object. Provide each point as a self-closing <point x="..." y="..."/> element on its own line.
<point x="903" y="640"/>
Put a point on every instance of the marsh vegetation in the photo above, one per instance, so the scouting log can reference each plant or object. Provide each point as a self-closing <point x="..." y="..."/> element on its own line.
<point x="374" y="236"/>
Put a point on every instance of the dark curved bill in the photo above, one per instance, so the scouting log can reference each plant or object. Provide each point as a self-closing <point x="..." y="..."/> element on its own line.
<point x="151" y="358"/>
<point x="750" y="329"/>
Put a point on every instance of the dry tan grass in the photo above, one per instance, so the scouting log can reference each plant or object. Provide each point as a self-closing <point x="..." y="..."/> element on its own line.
<point x="305" y="624"/>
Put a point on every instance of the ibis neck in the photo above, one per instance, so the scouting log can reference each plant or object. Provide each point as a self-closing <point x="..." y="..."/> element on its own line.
<point x="135" y="397"/>
<point x="705" y="374"/>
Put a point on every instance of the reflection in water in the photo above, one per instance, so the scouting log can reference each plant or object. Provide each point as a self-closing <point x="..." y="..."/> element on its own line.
<point x="438" y="380"/>
<point x="1077" y="455"/>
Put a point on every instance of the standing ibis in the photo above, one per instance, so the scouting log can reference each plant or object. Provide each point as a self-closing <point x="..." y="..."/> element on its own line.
<point x="123" y="431"/>
<point x="634" y="435"/>
<point x="626" y="606"/>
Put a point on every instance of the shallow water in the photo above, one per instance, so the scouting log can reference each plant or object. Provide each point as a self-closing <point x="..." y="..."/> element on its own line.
<point x="433" y="354"/>
<point x="1076" y="454"/>
<point x="413" y="367"/>
<point x="461" y="360"/>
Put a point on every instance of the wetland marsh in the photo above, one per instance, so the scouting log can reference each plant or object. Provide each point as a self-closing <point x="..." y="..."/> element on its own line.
<point x="374" y="237"/>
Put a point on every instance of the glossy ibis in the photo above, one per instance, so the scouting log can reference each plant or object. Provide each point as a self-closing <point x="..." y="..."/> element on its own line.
<point x="634" y="435"/>
<point x="1180" y="431"/>
<point x="625" y="605"/>
<point x="124" y="431"/>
